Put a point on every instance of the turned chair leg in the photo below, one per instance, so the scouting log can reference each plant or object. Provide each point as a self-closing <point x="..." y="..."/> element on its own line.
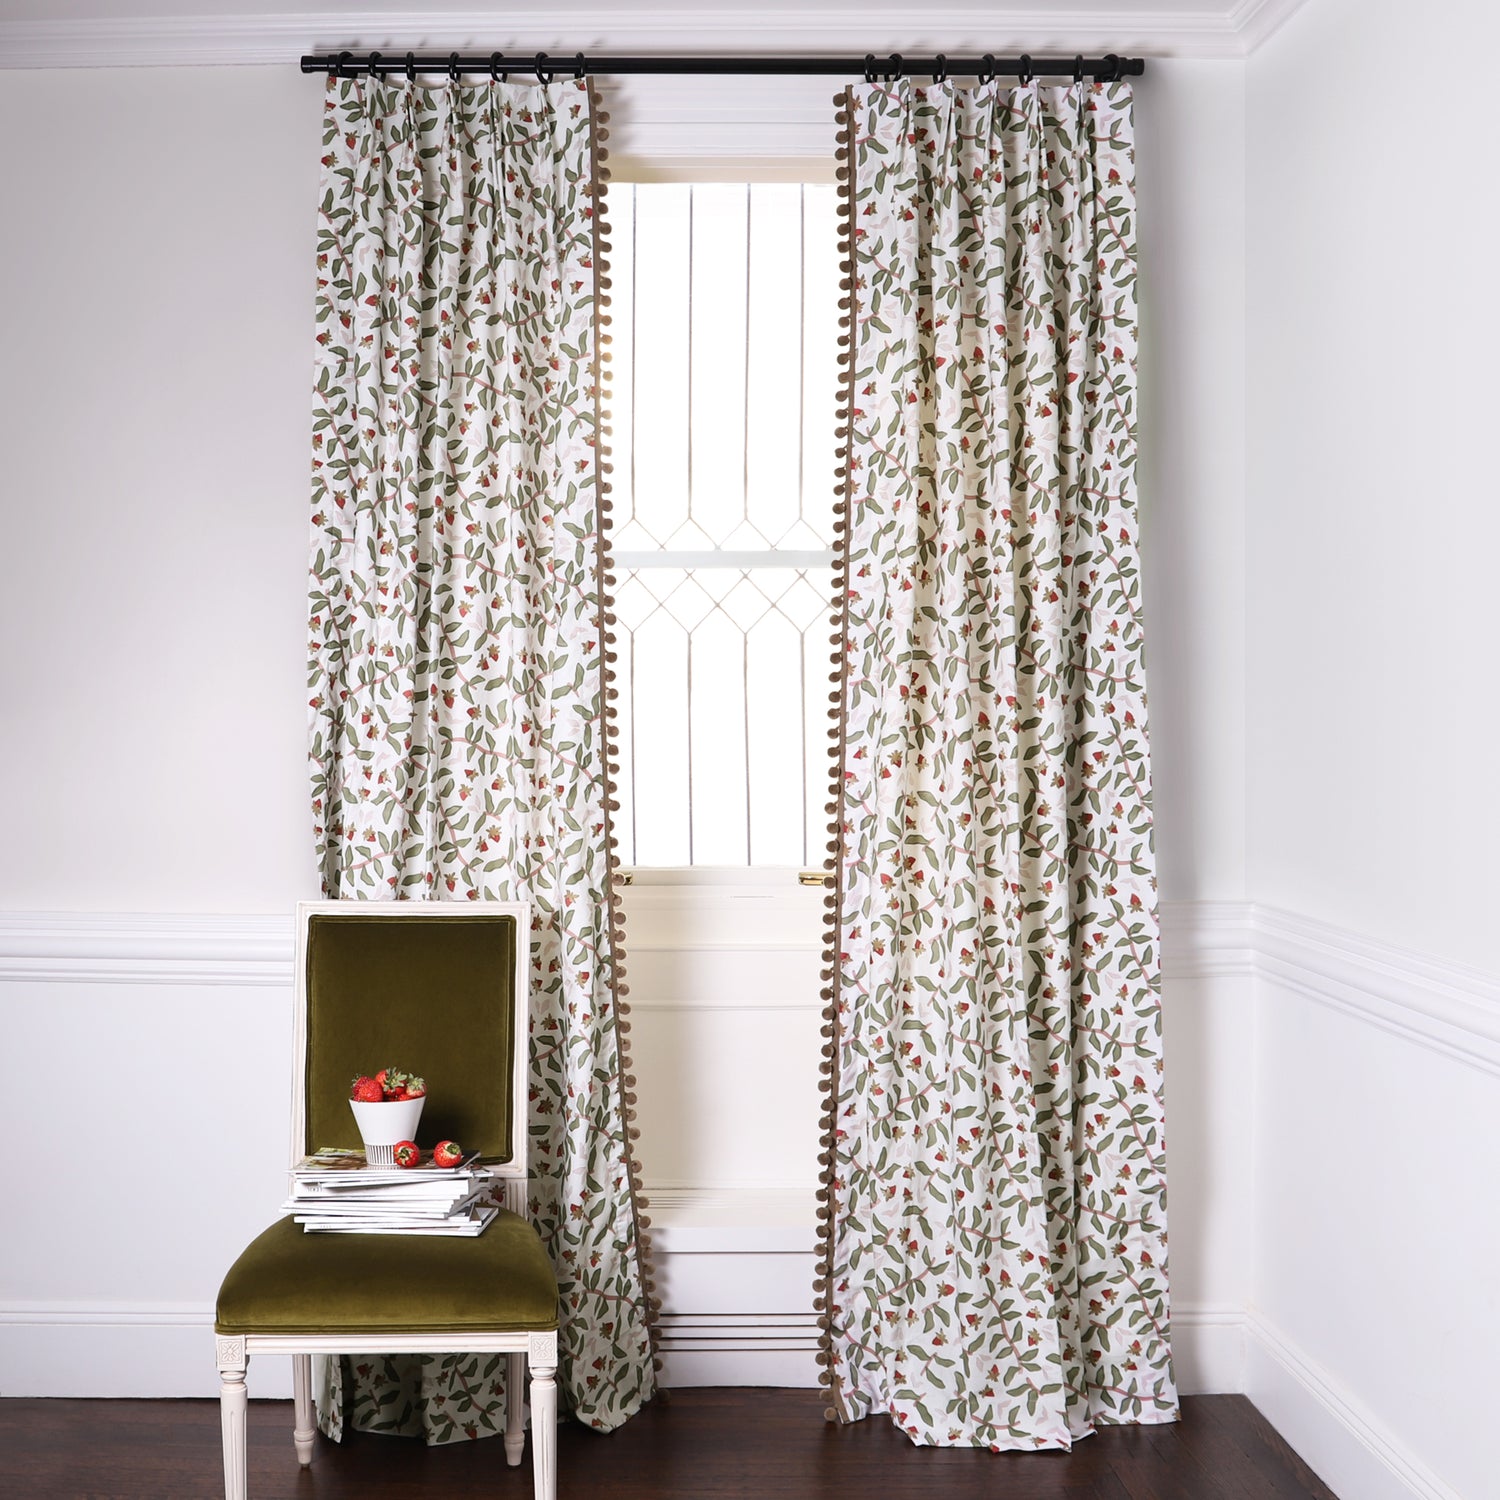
<point x="232" y="1407"/>
<point x="515" y="1413"/>
<point x="303" y="1430"/>
<point x="544" y="1429"/>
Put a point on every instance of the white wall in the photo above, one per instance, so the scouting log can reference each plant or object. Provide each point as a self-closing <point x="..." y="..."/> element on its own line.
<point x="154" y="401"/>
<point x="1190" y="164"/>
<point x="1373" y="509"/>
<point x="1372" y="717"/>
<point x="155" y="386"/>
<point x="1190" y="170"/>
<point x="154" y="396"/>
<point x="1316" y="234"/>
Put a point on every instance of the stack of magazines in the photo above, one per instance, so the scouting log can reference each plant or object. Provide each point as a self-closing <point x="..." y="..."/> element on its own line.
<point x="336" y="1192"/>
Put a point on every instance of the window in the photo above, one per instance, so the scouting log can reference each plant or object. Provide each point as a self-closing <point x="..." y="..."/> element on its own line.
<point x="725" y="320"/>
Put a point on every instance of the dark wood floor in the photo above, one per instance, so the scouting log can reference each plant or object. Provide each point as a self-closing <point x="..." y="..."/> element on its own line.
<point x="702" y="1445"/>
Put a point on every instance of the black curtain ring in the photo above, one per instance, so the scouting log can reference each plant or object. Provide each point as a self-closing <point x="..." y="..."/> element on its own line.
<point x="578" y="66"/>
<point x="542" y="75"/>
<point x="1112" y="59"/>
<point x="987" y="72"/>
<point x="374" y="66"/>
<point x="453" y="67"/>
<point x="1078" y="68"/>
<point x="496" y="76"/>
<point x="411" y="67"/>
<point x="940" y="69"/>
<point x="338" y="66"/>
<point x="869" y="67"/>
<point x="1027" y="71"/>
<point x="893" y="68"/>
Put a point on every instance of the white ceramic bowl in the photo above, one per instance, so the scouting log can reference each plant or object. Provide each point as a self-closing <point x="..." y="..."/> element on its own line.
<point x="387" y="1124"/>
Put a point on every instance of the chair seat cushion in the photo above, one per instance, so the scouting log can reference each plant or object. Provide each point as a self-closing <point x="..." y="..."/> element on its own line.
<point x="291" y="1282"/>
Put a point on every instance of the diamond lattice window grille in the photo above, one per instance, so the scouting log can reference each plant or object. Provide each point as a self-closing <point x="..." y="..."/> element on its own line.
<point x="723" y="415"/>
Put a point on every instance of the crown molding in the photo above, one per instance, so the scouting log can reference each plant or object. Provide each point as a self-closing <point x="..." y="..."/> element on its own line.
<point x="1256" y="21"/>
<point x="278" y="40"/>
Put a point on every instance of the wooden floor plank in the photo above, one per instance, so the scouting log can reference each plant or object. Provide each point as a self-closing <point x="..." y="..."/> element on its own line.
<point x="1202" y="1436"/>
<point x="1266" y="1453"/>
<point x="1153" y="1463"/>
<point x="742" y="1444"/>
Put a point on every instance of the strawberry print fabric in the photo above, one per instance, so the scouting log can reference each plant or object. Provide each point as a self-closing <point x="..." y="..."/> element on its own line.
<point x="995" y="1267"/>
<point x="458" y="733"/>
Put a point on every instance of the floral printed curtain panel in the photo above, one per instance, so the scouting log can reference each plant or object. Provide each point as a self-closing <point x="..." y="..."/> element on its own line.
<point x="459" y="642"/>
<point x="995" y="1221"/>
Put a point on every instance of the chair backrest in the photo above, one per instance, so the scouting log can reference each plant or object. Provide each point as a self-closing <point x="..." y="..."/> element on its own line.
<point x="437" y="988"/>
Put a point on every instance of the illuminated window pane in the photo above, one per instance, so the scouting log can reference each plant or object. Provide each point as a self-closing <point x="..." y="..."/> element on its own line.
<point x="723" y="414"/>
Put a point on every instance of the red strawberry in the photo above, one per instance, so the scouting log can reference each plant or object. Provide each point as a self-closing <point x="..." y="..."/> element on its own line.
<point x="407" y="1154"/>
<point x="447" y="1154"/>
<point x="367" y="1091"/>
<point x="399" y="1084"/>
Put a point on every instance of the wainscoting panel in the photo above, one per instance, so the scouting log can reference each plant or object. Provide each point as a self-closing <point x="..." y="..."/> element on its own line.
<point x="1375" y="1308"/>
<point x="108" y="1268"/>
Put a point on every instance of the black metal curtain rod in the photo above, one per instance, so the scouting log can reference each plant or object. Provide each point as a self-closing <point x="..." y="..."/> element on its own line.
<point x="499" y="65"/>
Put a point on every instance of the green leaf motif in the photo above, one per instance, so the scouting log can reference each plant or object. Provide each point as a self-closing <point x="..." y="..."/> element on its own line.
<point x="997" y="1247"/>
<point x="456" y="681"/>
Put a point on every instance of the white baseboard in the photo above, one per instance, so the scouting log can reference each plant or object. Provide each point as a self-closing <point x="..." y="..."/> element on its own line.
<point x="119" y="1349"/>
<point x="1337" y="1437"/>
<point x="740" y="1349"/>
<point x="134" y="1350"/>
<point x="1208" y="1349"/>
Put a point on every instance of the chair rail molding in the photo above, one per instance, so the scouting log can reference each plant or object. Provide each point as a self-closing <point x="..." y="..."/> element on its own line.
<point x="1216" y="29"/>
<point x="145" y="948"/>
<point x="1206" y="940"/>
<point x="1448" y="1008"/>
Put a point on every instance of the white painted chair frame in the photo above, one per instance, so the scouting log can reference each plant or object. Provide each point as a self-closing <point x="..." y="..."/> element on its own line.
<point x="538" y="1349"/>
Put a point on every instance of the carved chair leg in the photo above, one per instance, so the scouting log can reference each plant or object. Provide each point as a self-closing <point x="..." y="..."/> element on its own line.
<point x="515" y="1404"/>
<point x="304" y="1429"/>
<point x="232" y="1407"/>
<point x="544" y="1425"/>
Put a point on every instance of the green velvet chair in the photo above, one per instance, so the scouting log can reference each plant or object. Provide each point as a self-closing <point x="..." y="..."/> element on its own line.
<point x="438" y="988"/>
